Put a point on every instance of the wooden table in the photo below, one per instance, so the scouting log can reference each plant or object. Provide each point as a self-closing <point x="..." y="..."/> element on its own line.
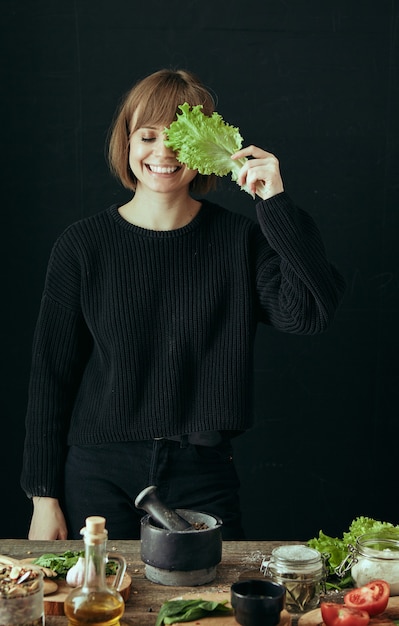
<point x="240" y="559"/>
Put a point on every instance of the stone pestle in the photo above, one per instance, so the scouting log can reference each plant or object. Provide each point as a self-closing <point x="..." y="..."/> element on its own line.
<point x="168" y="518"/>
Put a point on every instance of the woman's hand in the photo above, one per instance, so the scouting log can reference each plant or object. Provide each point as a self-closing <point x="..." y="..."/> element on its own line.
<point x="261" y="173"/>
<point x="48" y="521"/>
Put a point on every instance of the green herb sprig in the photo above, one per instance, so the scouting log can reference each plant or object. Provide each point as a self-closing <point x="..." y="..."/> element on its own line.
<point x="61" y="563"/>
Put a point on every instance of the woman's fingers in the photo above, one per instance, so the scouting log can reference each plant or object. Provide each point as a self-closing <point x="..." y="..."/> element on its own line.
<point x="260" y="173"/>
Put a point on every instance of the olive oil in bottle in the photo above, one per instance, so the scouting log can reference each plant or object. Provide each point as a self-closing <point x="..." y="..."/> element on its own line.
<point x="94" y="603"/>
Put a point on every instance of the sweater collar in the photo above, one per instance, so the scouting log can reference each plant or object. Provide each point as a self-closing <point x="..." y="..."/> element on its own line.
<point x="160" y="234"/>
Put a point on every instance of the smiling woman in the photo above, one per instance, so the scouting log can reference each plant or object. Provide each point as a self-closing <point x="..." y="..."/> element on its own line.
<point x="142" y="369"/>
<point x="153" y="102"/>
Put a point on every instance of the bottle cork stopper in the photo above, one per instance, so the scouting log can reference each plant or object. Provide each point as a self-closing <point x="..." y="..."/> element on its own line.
<point x="95" y="524"/>
<point x="94" y="532"/>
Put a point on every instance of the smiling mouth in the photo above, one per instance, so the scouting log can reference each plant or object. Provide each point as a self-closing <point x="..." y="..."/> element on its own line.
<point x="157" y="169"/>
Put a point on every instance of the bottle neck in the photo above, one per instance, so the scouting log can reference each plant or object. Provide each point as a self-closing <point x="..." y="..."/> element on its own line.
<point x="95" y="559"/>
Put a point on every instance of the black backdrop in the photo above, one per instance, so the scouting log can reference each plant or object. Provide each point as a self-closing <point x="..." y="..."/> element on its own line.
<point x="316" y="83"/>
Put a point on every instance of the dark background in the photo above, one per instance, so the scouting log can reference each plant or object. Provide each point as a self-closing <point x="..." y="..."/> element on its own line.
<point x="317" y="84"/>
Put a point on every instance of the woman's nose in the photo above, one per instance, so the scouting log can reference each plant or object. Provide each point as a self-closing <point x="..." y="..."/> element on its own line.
<point x="162" y="149"/>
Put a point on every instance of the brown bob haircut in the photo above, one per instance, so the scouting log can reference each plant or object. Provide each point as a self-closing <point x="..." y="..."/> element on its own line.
<point x="154" y="100"/>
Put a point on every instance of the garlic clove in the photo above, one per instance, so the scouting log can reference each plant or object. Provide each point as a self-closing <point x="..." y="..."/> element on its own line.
<point x="76" y="574"/>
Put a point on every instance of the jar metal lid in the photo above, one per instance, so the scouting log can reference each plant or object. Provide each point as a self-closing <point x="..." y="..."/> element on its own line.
<point x="296" y="553"/>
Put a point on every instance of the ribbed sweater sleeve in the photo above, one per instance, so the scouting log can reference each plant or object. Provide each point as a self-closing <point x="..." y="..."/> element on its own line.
<point x="299" y="289"/>
<point x="146" y="334"/>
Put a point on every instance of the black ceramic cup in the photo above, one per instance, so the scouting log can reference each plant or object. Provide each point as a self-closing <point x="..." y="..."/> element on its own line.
<point x="257" y="602"/>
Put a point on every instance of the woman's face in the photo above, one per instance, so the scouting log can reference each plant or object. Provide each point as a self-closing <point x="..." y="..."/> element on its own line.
<point x="154" y="165"/>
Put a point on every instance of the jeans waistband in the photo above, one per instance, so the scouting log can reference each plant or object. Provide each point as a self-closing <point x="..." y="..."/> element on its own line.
<point x="210" y="438"/>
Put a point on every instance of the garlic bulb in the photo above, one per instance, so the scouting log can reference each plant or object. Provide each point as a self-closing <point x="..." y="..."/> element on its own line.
<point x="76" y="574"/>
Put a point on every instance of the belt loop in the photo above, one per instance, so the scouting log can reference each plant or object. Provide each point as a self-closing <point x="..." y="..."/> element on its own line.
<point x="184" y="441"/>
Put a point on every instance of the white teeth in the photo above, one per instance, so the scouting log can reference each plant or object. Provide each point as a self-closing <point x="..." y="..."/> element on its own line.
<point x="162" y="170"/>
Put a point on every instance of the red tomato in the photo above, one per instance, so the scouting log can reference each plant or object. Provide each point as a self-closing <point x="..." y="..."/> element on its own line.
<point x="372" y="597"/>
<point x="335" y="614"/>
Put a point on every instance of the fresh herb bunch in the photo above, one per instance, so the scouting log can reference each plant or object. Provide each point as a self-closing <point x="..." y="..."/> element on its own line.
<point x="335" y="550"/>
<point x="61" y="563"/>
<point x="205" y="142"/>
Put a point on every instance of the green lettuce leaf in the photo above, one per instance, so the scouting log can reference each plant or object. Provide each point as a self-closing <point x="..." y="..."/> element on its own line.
<point x="205" y="143"/>
<point x="362" y="525"/>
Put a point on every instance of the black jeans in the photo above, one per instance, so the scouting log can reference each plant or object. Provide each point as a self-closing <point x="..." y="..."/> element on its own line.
<point x="105" y="480"/>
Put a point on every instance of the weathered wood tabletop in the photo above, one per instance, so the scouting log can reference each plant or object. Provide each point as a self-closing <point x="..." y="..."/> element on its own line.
<point x="240" y="559"/>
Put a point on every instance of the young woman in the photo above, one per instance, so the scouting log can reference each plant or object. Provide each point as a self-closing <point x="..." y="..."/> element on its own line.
<point x="142" y="354"/>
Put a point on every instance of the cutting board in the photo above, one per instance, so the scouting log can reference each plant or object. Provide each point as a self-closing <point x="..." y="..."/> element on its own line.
<point x="313" y="618"/>
<point x="220" y="620"/>
<point x="54" y="602"/>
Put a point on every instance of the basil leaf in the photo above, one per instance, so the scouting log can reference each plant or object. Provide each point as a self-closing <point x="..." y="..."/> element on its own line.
<point x="175" y="611"/>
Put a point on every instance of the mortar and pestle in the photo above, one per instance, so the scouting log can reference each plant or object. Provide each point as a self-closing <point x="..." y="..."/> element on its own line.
<point x="179" y="547"/>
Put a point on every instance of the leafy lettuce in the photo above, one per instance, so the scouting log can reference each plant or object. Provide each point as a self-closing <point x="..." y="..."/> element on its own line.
<point x="336" y="549"/>
<point x="205" y="143"/>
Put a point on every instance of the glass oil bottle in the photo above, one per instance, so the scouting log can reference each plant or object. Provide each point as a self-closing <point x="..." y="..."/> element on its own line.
<point x="95" y="602"/>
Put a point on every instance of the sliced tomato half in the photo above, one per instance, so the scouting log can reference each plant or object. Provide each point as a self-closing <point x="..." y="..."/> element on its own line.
<point x="372" y="597"/>
<point x="335" y="614"/>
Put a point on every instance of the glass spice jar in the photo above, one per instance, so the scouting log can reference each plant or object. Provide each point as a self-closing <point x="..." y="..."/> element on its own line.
<point x="302" y="572"/>
<point x="375" y="556"/>
<point x="21" y="595"/>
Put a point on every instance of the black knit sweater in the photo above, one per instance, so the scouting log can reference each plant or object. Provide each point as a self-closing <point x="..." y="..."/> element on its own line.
<point x="145" y="333"/>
